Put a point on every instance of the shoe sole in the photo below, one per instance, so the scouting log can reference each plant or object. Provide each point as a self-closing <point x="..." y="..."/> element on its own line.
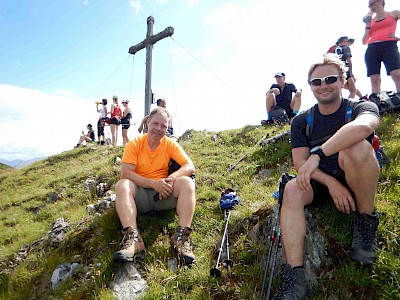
<point x="137" y="257"/>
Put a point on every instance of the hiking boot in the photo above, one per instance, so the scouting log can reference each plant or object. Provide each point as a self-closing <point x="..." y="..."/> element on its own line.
<point x="376" y="98"/>
<point x="293" y="284"/>
<point x="181" y="244"/>
<point x="364" y="243"/>
<point x="132" y="246"/>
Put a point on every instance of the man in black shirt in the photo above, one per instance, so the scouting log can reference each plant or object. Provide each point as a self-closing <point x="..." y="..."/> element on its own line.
<point x="334" y="161"/>
<point x="280" y="94"/>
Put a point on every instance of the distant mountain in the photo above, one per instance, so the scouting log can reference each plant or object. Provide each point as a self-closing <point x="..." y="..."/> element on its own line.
<point x="19" y="163"/>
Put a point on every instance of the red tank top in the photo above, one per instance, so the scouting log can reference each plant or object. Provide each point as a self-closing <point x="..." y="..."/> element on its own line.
<point x="380" y="30"/>
<point x="116" y="112"/>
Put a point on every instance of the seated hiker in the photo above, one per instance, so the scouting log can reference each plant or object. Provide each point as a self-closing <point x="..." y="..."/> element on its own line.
<point x="335" y="161"/>
<point x="145" y="185"/>
<point x="280" y="94"/>
<point x="89" y="137"/>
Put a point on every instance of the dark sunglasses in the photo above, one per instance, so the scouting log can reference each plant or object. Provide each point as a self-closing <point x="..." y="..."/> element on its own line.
<point x="327" y="79"/>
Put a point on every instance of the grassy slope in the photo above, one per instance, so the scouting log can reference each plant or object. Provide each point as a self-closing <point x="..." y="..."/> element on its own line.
<point x="26" y="214"/>
<point x="4" y="168"/>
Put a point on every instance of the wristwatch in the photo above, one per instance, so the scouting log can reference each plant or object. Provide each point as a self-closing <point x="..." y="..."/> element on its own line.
<point x="318" y="151"/>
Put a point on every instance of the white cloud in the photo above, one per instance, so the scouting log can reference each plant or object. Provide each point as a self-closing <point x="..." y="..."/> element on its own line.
<point x="224" y="14"/>
<point x="64" y="92"/>
<point x="136" y="5"/>
<point x="192" y="3"/>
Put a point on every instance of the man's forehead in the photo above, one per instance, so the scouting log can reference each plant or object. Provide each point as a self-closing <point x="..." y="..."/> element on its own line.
<point x="324" y="69"/>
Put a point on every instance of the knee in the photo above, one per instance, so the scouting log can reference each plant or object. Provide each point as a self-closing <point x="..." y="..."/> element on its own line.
<point x="359" y="153"/>
<point x="292" y="196"/>
<point x="185" y="183"/>
<point x="376" y="79"/>
<point x="123" y="186"/>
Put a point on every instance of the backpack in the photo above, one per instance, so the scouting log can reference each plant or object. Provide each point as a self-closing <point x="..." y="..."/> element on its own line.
<point x="278" y="116"/>
<point x="380" y="155"/>
<point x="331" y="49"/>
<point x="389" y="101"/>
<point x="229" y="199"/>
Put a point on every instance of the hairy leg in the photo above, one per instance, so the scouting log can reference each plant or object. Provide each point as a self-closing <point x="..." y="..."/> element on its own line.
<point x="185" y="192"/>
<point x="125" y="203"/>
<point x="361" y="169"/>
<point x="293" y="222"/>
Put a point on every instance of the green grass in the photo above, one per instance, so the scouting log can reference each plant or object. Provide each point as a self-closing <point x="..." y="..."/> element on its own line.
<point x="28" y="209"/>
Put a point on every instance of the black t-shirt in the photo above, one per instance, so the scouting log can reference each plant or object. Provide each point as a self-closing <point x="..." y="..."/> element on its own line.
<point x="343" y="52"/>
<point x="92" y="135"/>
<point x="285" y="97"/>
<point x="326" y="125"/>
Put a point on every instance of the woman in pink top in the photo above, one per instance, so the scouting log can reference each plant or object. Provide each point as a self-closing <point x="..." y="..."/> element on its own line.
<point x="382" y="45"/>
<point x="115" y="120"/>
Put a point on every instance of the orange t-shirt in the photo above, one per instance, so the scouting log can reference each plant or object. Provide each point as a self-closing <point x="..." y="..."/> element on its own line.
<point x="153" y="164"/>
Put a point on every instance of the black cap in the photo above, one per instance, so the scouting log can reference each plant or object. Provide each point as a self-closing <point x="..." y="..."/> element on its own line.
<point x="342" y="39"/>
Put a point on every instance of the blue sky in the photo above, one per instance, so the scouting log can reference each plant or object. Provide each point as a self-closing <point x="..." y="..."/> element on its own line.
<point x="59" y="57"/>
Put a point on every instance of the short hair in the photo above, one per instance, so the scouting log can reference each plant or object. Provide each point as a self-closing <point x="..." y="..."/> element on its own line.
<point x="104" y="101"/>
<point x="329" y="59"/>
<point x="160" y="110"/>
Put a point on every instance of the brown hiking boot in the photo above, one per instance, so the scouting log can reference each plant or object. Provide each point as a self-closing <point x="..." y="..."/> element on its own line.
<point x="132" y="246"/>
<point x="181" y="244"/>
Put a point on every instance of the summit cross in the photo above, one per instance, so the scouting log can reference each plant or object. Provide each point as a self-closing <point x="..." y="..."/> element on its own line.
<point x="148" y="43"/>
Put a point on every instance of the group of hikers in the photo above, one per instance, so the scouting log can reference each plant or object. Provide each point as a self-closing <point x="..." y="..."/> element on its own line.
<point x="117" y="117"/>
<point x="330" y="147"/>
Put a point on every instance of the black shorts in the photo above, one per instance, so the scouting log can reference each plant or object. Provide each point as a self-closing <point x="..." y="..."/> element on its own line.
<point x="115" y="121"/>
<point x="330" y="166"/>
<point x="386" y="52"/>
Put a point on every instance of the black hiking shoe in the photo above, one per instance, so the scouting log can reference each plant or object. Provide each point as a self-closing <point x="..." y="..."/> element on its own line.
<point x="376" y="98"/>
<point x="364" y="243"/>
<point x="132" y="246"/>
<point x="293" y="284"/>
<point x="181" y="244"/>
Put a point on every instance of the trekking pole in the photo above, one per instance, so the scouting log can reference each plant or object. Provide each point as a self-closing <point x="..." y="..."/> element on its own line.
<point x="264" y="141"/>
<point x="227" y="202"/>
<point x="275" y="238"/>
<point x="228" y="262"/>
<point x="215" y="272"/>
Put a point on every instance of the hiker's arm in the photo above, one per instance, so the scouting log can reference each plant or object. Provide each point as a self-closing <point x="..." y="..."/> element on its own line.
<point x="351" y="133"/>
<point x="185" y="170"/>
<point x="350" y="65"/>
<point x="162" y="186"/>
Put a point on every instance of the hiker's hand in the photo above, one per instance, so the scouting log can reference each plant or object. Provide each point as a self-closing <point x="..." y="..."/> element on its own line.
<point x="305" y="172"/>
<point x="341" y="196"/>
<point x="164" y="188"/>
<point x="276" y="91"/>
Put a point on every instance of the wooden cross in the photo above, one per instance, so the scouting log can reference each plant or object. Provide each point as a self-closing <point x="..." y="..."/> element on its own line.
<point x="148" y="43"/>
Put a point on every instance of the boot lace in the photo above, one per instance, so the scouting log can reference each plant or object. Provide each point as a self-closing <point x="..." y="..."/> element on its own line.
<point x="129" y="239"/>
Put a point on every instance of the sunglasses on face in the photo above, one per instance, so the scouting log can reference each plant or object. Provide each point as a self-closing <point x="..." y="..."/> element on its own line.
<point x="371" y="4"/>
<point x="327" y="79"/>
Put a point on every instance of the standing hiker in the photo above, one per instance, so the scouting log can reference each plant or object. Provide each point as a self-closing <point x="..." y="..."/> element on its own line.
<point x="145" y="185"/>
<point x="382" y="46"/>
<point x="335" y="161"/>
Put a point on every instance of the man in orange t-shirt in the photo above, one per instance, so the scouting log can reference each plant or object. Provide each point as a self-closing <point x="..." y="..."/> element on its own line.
<point x="145" y="185"/>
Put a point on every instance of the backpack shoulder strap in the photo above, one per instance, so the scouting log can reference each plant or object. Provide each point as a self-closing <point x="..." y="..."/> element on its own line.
<point x="309" y="121"/>
<point x="349" y="110"/>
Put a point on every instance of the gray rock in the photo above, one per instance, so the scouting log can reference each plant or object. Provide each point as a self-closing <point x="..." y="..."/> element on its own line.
<point x="128" y="283"/>
<point x="58" y="232"/>
<point x="62" y="273"/>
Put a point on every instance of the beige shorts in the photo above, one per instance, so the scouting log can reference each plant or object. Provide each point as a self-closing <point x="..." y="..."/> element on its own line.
<point x="145" y="200"/>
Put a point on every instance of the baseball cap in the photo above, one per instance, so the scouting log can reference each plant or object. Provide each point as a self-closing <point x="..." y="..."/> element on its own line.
<point x="343" y="38"/>
<point x="279" y="74"/>
<point x="115" y="97"/>
<point x="125" y="101"/>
